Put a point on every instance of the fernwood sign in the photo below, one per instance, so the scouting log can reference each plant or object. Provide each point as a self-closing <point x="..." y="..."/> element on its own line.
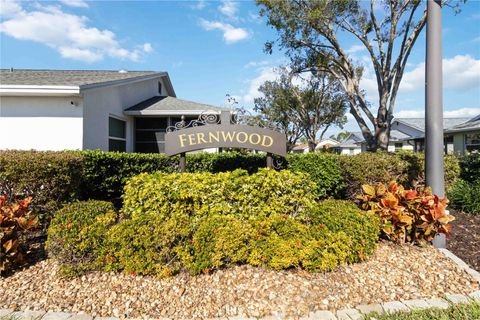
<point x="212" y="131"/>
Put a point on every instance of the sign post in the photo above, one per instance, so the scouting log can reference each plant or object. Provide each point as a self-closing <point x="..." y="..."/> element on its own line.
<point x="214" y="131"/>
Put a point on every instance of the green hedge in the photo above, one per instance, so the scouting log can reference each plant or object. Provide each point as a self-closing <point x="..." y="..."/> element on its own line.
<point x="102" y="175"/>
<point x="51" y="178"/>
<point x="203" y="221"/>
<point x="470" y="167"/>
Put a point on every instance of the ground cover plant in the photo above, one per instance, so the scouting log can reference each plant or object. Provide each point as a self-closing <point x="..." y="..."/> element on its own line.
<point x="202" y="221"/>
<point x="407" y="215"/>
<point x="470" y="311"/>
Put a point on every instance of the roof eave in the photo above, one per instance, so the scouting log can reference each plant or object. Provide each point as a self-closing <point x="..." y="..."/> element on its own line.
<point x="167" y="112"/>
<point x="123" y="81"/>
<point x="29" y="90"/>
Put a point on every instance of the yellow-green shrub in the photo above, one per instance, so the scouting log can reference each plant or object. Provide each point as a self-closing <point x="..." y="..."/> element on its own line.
<point x="361" y="227"/>
<point x="283" y="242"/>
<point x="76" y="236"/>
<point x="202" y="221"/>
<point x="146" y="245"/>
<point x="218" y="241"/>
<point x="198" y="194"/>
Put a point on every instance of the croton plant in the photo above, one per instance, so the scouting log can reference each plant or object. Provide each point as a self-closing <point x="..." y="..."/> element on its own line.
<point x="15" y="219"/>
<point x="407" y="215"/>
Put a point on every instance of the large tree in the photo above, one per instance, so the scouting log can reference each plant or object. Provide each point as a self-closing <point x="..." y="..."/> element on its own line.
<point x="310" y="33"/>
<point x="302" y="106"/>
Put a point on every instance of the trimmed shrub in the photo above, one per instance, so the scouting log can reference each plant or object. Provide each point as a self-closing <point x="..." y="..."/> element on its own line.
<point x="361" y="227"/>
<point x="147" y="244"/>
<point x="470" y="167"/>
<point x="415" y="174"/>
<point x="15" y="221"/>
<point x="198" y="194"/>
<point x="465" y="196"/>
<point x="225" y="161"/>
<point x="105" y="173"/>
<point x="371" y="168"/>
<point x="76" y="236"/>
<point x="50" y="178"/>
<point x="218" y="241"/>
<point x="323" y="169"/>
<point x="283" y="242"/>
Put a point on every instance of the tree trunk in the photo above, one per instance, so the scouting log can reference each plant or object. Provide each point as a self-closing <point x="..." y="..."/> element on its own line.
<point x="382" y="137"/>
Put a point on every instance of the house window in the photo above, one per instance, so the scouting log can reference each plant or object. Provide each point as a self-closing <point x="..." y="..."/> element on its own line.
<point x="117" y="135"/>
<point x="159" y="88"/>
<point x="398" y="146"/>
<point x="351" y="151"/>
<point x="472" y="142"/>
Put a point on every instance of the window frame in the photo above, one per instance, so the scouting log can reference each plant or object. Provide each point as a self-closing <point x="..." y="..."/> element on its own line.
<point x="117" y="138"/>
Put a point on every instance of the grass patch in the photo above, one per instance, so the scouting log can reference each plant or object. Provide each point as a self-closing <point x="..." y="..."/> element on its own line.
<point x="470" y="311"/>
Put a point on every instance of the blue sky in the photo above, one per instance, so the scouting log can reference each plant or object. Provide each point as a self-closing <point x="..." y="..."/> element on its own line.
<point x="212" y="48"/>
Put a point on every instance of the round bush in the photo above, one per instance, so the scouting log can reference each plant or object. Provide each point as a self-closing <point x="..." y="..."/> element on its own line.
<point x="76" y="236"/>
<point x="362" y="228"/>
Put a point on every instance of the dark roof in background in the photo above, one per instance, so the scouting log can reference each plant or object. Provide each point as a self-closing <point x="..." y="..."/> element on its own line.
<point x="159" y="104"/>
<point x="67" y="77"/>
<point x="472" y="124"/>
<point x="419" y="123"/>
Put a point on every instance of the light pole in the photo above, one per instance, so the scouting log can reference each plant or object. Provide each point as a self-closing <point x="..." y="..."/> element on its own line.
<point x="434" y="147"/>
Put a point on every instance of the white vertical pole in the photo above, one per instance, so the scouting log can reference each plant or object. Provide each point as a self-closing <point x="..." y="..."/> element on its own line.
<point x="434" y="146"/>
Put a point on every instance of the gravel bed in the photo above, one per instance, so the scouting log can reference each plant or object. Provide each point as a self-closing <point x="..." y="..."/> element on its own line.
<point x="393" y="273"/>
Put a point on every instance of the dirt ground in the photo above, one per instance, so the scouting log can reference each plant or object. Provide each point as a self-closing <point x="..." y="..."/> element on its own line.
<point x="465" y="239"/>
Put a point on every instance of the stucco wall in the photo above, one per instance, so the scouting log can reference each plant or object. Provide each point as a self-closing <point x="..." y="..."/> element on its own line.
<point x="100" y="103"/>
<point x="40" y="123"/>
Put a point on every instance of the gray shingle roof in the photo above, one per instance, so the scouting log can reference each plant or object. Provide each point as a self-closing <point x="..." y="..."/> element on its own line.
<point x="419" y="123"/>
<point x="472" y="124"/>
<point x="353" y="140"/>
<point x="157" y="105"/>
<point x="66" y="77"/>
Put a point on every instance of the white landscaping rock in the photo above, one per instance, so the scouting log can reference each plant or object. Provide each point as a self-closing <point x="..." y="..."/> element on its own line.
<point x="438" y="303"/>
<point x="394" y="306"/>
<point x="28" y="315"/>
<point x="349" y="314"/>
<point x="57" y="316"/>
<point x="369" y="308"/>
<point x="458" y="298"/>
<point x="475" y="295"/>
<point x="5" y="312"/>
<point x="416" y="304"/>
<point x="80" y="317"/>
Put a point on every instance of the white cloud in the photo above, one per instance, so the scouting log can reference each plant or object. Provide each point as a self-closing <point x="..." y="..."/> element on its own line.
<point x="75" y="3"/>
<point x="457" y="113"/>
<point x="229" y="9"/>
<point x="147" y="47"/>
<point x="9" y="8"/>
<point x="355" y="48"/>
<point x="199" y="5"/>
<point x="66" y="33"/>
<point x="266" y="74"/>
<point x="255" y="64"/>
<point x="461" y="72"/>
<point x="230" y="33"/>
<point x="79" y="54"/>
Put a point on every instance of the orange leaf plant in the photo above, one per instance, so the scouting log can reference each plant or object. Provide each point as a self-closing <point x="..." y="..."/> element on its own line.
<point x="15" y="219"/>
<point x="407" y="215"/>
